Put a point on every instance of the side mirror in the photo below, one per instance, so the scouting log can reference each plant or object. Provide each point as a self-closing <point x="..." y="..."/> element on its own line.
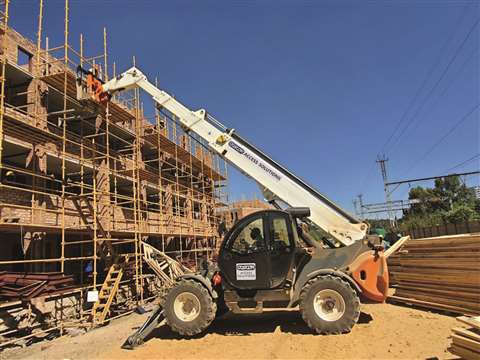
<point x="299" y="212"/>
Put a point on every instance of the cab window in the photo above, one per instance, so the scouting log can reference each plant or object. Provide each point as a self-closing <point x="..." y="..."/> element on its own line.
<point x="250" y="238"/>
<point x="297" y="240"/>
<point x="280" y="234"/>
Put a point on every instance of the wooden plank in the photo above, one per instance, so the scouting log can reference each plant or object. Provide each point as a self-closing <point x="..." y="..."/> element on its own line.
<point x="429" y="305"/>
<point x="442" y="263"/>
<point x="439" y="285"/>
<point x="447" y="246"/>
<point x="456" y="272"/>
<point x="445" y="240"/>
<point x="459" y="276"/>
<point x="474" y="295"/>
<point x="466" y="343"/>
<point x="451" y="236"/>
<point x="453" y="287"/>
<point x="437" y="278"/>
<point x="441" y="296"/>
<point x="467" y="333"/>
<point x="444" y="251"/>
<point x="393" y="249"/>
<point x="472" y="321"/>
<point x="465" y="253"/>
<point x="437" y="299"/>
<point x="464" y="353"/>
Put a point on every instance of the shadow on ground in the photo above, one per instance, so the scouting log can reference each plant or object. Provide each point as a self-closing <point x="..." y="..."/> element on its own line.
<point x="421" y="308"/>
<point x="247" y="324"/>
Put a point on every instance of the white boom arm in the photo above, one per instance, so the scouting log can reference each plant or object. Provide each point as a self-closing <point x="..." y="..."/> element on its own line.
<point x="272" y="177"/>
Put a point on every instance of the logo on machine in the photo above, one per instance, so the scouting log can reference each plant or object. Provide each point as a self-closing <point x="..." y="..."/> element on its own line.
<point x="236" y="147"/>
<point x="254" y="160"/>
<point x="246" y="271"/>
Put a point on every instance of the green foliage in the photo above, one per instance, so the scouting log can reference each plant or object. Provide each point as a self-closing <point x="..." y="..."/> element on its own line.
<point x="449" y="201"/>
<point x="461" y="213"/>
<point x="379" y="223"/>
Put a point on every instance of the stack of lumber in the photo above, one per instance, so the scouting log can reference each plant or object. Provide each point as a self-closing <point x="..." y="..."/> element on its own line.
<point x="24" y="286"/>
<point x="393" y="259"/>
<point x="466" y="342"/>
<point x="394" y="267"/>
<point x="439" y="273"/>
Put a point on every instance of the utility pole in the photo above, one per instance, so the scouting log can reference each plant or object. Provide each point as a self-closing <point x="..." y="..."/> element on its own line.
<point x="355" y="206"/>
<point x="360" y="202"/>
<point x="358" y="205"/>
<point x="383" y="168"/>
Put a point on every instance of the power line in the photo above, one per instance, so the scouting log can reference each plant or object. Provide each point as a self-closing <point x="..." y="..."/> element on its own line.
<point x="450" y="83"/>
<point x="439" y="141"/>
<point x="452" y="60"/>
<point x="417" y="94"/>
<point x="463" y="163"/>
<point x="422" y="86"/>
<point x="460" y="69"/>
<point x="425" y="80"/>
<point x="431" y="178"/>
<point x="409" y="181"/>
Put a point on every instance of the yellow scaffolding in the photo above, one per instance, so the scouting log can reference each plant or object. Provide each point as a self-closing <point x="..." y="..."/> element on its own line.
<point x="111" y="178"/>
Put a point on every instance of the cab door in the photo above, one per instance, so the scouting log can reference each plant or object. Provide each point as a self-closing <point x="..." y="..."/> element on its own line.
<point x="243" y="257"/>
<point x="280" y="247"/>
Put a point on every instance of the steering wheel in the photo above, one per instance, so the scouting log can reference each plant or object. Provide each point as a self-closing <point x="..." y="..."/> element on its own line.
<point x="252" y="249"/>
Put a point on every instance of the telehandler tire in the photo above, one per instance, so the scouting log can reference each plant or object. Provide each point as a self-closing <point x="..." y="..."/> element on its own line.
<point x="329" y="305"/>
<point x="189" y="308"/>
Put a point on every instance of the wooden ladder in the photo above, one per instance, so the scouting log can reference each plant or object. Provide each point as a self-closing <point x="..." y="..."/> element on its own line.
<point x="107" y="293"/>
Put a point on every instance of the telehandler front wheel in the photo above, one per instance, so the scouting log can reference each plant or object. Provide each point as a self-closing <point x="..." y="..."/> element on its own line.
<point x="329" y="305"/>
<point x="189" y="308"/>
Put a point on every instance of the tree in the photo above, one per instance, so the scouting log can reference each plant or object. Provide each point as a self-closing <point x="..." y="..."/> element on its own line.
<point x="460" y="213"/>
<point x="448" y="201"/>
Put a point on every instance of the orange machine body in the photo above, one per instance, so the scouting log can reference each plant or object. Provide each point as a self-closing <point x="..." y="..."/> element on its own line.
<point x="370" y="272"/>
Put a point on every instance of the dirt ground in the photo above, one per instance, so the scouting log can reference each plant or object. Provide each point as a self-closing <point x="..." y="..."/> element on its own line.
<point x="384" y="331"/>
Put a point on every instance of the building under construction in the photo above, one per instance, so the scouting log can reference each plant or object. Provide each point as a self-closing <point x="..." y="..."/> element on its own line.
<point x="84" y="186"/>
<point x="237" y="210"/>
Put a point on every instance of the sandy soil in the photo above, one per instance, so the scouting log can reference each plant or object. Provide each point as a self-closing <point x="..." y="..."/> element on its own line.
<point x="384" y="331"/>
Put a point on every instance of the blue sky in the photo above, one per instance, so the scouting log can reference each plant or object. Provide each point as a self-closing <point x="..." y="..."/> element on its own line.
<point x="318" y="85"/>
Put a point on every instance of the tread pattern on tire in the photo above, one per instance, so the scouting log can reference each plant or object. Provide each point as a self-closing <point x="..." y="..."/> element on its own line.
<point x="205" y="318"/>
<point x="343" y="325"/>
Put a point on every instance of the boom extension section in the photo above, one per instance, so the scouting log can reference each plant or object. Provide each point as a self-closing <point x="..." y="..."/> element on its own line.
<point x="272" y="177"/>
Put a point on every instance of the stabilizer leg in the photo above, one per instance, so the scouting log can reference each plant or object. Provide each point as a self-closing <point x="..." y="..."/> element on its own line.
<point x="146" y="329"/>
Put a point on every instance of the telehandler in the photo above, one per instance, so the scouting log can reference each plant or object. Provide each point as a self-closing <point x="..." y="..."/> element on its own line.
<point x="307" y="253"/>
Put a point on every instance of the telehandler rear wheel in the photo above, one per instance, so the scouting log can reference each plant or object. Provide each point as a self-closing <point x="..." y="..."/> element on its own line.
<point x="189" y="308"/>
<point x="329" y="305"/>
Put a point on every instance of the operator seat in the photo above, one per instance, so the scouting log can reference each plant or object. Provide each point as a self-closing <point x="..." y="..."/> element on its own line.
<point x="256" y="235"/>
